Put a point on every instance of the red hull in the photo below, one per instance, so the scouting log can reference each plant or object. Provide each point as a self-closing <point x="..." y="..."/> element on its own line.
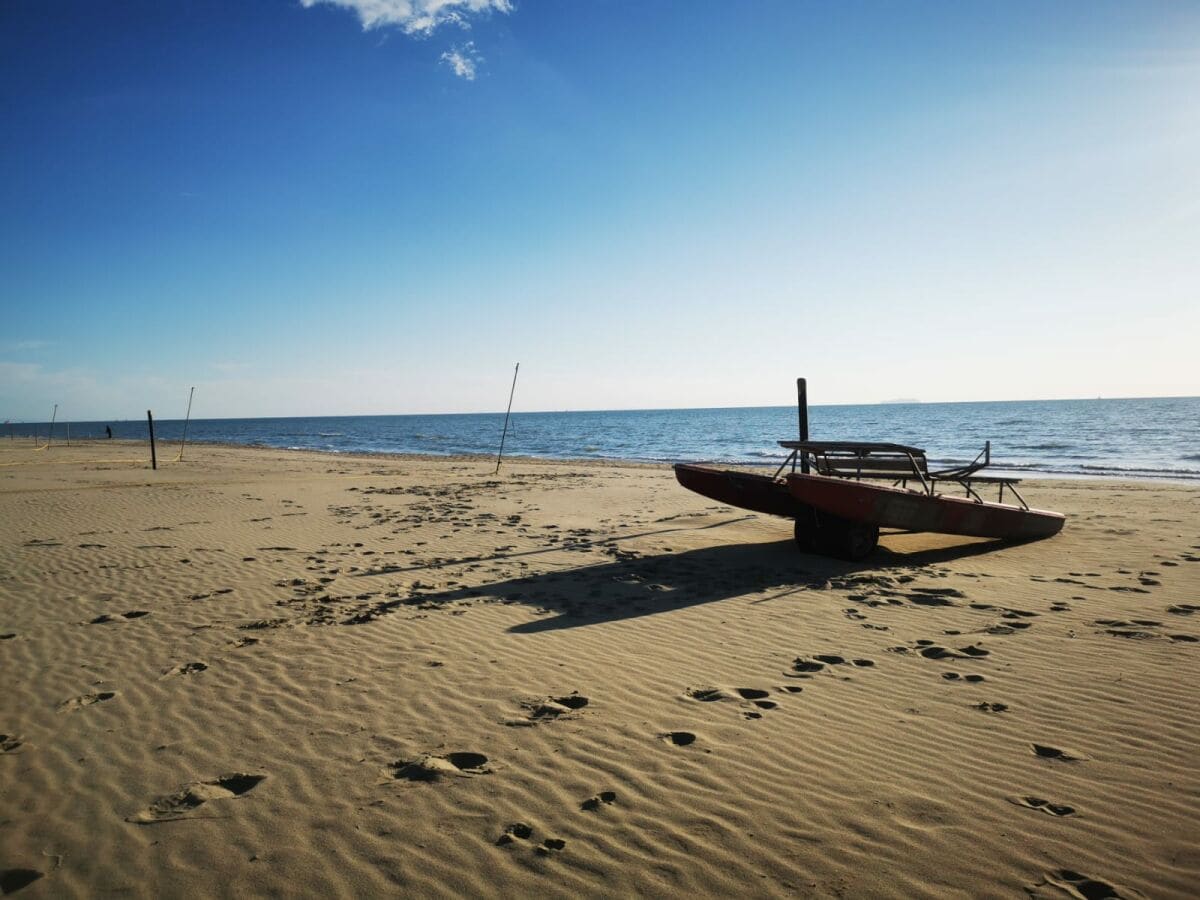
<point x="745" y="490"/>
<point x="890" y="507"/>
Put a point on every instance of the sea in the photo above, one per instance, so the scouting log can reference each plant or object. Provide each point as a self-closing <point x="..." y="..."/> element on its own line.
<point x="1157" y="438"/>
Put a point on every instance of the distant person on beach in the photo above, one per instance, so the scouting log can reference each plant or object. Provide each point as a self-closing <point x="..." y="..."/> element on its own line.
<point x="108" y="431"/>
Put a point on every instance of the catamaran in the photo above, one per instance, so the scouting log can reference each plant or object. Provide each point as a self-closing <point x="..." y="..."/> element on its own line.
<point x="832" y="492"/>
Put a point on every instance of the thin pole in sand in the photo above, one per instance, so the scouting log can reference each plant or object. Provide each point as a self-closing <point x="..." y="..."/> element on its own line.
<point x="153" y="455"/>
<point x="802" y="411"/>
<point x="50" y="433"/>
<point x="504" y="433"/>
<point x="186" y="419"/>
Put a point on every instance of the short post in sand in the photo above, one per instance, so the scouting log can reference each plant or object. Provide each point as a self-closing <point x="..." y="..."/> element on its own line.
<point x="507" y="412"/>
<point x="186" y="419"/>
<point x="153" y="455"/>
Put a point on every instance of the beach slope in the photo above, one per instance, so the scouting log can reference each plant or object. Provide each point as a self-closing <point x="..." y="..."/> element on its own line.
<point x="268" y="672"/>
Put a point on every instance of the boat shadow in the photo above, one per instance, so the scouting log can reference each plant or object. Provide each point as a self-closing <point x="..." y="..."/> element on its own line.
<point x="635" y="585"/>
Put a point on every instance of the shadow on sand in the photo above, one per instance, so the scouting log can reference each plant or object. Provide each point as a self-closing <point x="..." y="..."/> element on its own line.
<point x="635" y="585"/>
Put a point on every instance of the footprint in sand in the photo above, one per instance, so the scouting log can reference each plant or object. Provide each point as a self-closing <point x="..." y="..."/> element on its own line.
<point x="10" y="743"/>
<point x="679" y="738"/>
<point x="1045" y="806"/>
<point x="803" y="666"/>
<point x="548" y="709"/>
<point x="1184" y="609"/>
<point x="1010" y="613"/>
<point x="930" y="650"/>
<point x="1008" y="627"/>
<point x="756" y="696"/>
<point x="604" y="798"/>
<point x="1078" y="886"/>
<point x="514" y="832"/>
<point x="834" y="660"/>
<point x="190" y="668"/>
<point x="954" y="676"/>
<point x="12" y="880"/>
<point x="1045" y="752"/>
<point x="243" y="642"/>
<point x="984" y="706"/>
<point x="935" y="596"/>
<point x="184" y="802"/>
<point x="85" y="700"/>
<point x="429" y="767"/>
<point x="106" y="618"/>
<point x="259" y="624"/>
<point x="551" y="845"/>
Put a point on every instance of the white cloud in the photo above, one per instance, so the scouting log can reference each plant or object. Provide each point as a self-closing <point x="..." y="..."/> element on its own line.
<point x="463" y="60"/>
<point x="415" y="16"/>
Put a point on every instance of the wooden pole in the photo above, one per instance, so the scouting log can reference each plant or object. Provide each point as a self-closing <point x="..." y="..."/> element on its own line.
<point x="504" y="433"/>
<point x="68" y="434"/>
<point x="186" y="419"/>
<point x="50" y="433"/>
<point x="802" y="412"/>
<point x="153" y="455"/>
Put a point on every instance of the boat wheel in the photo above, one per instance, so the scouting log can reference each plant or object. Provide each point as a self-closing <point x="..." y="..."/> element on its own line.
<point x="856" y="540"/>
<point x="834" y="536"/>
<point x="805" y="532"/>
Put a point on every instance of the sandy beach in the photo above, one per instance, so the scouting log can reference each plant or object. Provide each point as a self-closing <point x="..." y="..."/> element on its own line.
<point x="258" y="672"/>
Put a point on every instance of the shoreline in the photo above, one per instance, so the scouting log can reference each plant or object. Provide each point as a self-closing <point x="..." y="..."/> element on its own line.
<point x="1019" y="474"/>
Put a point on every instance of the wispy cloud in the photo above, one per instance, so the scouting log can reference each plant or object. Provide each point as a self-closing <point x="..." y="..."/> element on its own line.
<point x="18" y="346"/>
<point x="415" y="16"/>
<point x="462" y="60"/>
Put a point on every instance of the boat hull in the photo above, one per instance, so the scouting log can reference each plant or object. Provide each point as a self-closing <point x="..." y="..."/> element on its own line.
<point x="745" y="490"/>
<point x="889" y="507"/>
<point x="814" y="531"/>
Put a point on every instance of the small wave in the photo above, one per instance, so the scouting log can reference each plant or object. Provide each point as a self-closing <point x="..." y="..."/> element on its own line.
<point x="1136" y="470"/>
<point x="330" y="434"/>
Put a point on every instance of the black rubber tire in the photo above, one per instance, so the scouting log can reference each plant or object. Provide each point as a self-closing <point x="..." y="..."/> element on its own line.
<point x="857" y="540"/>
<point x="833" y="536"/>
<point x="805" y="533"/>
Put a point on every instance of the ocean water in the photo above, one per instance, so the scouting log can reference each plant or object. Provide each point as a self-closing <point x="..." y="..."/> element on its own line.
<point x="1137" y="438"/>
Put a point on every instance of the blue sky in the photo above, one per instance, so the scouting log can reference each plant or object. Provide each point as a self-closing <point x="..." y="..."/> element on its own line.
<point x="378" y="206"/>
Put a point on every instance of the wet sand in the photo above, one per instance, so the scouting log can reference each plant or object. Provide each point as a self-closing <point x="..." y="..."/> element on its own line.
<point x="263" y="672"/>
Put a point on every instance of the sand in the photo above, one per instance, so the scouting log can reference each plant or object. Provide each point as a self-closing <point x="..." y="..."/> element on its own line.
<point x="257" y="672"/>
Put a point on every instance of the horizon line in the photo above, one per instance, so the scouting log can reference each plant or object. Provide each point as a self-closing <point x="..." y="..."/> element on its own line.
<point x="536" y="412"/>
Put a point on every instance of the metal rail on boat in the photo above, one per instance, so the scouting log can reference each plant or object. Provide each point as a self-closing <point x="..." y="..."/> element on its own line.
<point x="896" y="463"/>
